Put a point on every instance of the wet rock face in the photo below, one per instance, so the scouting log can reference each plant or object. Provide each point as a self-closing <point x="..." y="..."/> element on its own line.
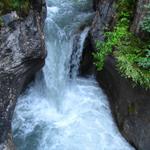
<point x="86" y="64"/>
<point x="22" y="54"/>
<point x="95" y="4"/>
<point x="104" y="17"/>
<point x="130" y="105"/>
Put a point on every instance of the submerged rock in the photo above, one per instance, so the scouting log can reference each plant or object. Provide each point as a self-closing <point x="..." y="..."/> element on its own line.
<point x="86" y="64"/>
<point x="22" y="54"/>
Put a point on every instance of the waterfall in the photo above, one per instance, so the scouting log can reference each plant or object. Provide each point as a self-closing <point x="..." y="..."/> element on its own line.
<point x="77" y="49"/>
<point x="58" y="112"/>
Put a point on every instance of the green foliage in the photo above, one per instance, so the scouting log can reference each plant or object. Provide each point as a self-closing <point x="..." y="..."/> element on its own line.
<point x="133" y="61"/>
<point x="113" y="38"/>
<point x="125" y="8"/>
<point x="132" y="54"/>
<point x="1" y="22"/>
<point x="105" y="48"/>
<point x="21" y="6"/>
<point x="145" y="24"/>
<point x="144" y="61"/>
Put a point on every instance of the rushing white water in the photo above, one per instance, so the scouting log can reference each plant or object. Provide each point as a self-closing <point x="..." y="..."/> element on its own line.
<point x="59" y="113"/>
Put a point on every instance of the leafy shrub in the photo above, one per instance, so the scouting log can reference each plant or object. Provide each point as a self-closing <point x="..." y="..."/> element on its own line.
<point x="132" y="54"/>
<point x="105" y="48"/>
<point x="145" y="24"/>
<point x="21" y="6"/>
<point x="133" y="60"/>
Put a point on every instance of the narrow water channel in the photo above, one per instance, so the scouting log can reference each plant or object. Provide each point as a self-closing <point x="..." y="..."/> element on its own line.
<point x="58" y="112"/>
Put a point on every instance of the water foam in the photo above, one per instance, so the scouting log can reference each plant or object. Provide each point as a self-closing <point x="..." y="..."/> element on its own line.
<point x="56" y="112"/>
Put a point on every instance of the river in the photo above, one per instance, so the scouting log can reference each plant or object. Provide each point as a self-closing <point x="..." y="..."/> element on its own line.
<point x="59" y="110"/>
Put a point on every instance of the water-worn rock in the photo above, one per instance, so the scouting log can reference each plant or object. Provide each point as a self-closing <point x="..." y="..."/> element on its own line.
<point x="22" y="54"/>
<point x="130" y="105"/>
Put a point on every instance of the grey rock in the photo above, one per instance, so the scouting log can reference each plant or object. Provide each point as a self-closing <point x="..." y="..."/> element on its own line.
<point x="130" y="105"/>
<point x="140" y="12"/>
<point x="104" y="17"/>
<point x="10" y="17"/>
<point x="22" y="54"/>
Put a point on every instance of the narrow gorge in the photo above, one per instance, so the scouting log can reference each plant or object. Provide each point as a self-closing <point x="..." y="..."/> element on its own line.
<point x="52" y="96"/>
<point x="59" y="112"/>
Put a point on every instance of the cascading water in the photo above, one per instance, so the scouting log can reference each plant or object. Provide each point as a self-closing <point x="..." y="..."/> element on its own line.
<point x="59" y="113"/>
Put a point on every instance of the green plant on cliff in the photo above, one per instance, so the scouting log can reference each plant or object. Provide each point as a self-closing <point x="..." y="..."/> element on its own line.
<point x="21" y="6"/>
<point x="132" y="54"/>
<point x="105" y="48"/>
<point x="145" y="24"/>
<point x="1" y="22"/>
<point x="133" y="61"/>
<point x="114" y="38"/>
